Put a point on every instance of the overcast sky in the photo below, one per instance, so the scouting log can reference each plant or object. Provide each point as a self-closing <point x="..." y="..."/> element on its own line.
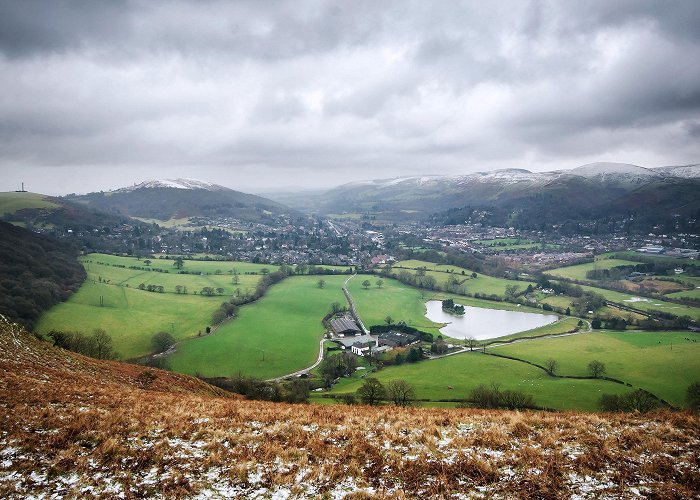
<point x="266" y="95"/>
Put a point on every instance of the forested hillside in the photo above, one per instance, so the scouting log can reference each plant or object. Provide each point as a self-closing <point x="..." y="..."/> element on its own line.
<point x="36" y="272"/>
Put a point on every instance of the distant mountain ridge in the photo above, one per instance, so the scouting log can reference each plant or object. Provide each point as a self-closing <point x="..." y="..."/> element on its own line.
<point x="587" y="191"/>
<point x="182" y="198"/>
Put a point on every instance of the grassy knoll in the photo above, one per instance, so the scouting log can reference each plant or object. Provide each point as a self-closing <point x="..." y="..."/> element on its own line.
<point x="10" y="202"/>
<point x="463" y="372"/>
<point x="481" y="284"/>
<point x="578" y="272"/>
<point x="285" y="326"/>
<point x="662" y="363"/>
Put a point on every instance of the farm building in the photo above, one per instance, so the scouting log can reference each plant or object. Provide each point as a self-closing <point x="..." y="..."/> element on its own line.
<point x="397" y="339"/>
<point x="368" y="347"/>
<point x="345" y="326"/>
<point x="362" y="348"/>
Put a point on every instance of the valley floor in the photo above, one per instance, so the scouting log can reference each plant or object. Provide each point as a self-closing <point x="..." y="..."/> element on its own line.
<point x="72" y="426"/>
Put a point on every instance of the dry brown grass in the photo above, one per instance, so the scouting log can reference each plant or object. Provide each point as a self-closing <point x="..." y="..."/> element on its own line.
<point x="73" y="426"/>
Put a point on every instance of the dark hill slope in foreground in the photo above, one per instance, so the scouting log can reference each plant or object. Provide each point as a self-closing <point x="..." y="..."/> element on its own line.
<point x="72" y="426"/>
<point x="36" y="272"/>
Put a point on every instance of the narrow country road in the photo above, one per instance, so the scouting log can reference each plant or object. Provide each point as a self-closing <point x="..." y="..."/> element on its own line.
<point x="353" y="309"/>
<point x="321" y="351"/>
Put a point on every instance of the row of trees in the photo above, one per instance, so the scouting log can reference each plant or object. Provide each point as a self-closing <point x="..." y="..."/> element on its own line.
<point x="373" y="392"/>
<point x="96" y="345"/>
<point x="293" y="391"/>
<point x="230" y="308"/>
<point x="596" y="369"/>
<point x="638" y="400"/>
<point x="401" y="393"/>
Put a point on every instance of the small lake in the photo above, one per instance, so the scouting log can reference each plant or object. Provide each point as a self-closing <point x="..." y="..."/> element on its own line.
<point x="483" y="323"/>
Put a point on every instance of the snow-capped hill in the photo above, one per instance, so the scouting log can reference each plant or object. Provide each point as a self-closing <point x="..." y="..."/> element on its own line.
<point x="617" y="174"/>
<point x="682" y="171"/>
<point x="507" y="175"/>
<point x="182" y="198"/>
<point x="175" y="184"/>
<point x="605" y="169"/>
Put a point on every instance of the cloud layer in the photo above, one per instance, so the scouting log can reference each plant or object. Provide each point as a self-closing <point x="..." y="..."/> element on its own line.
<point x="286" y="95"/>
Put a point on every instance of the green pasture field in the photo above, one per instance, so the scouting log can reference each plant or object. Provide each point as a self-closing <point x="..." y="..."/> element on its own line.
<point x="562" y="301"/>
<point x="565" y="301"/>
<point x="10" y="202"/>
<point x="483" y="283"/>
<point x="578" y="272"/>
<point x="203" y="266"/>
<point x="131" y="278"/>
<point x="401" y="302"/>
<point x="646" y="304"/>
<point x="130" y="316"/>
<point x="170" y="223"/>
<point x="285" y="326"/>
<point x="693" y="294"/>
<point x="564" y="325"/>
<point x="693" y="281"/>
<point x="663" y="363"/>
<point x="274" y="336"/>
<point x="432" y="380"/>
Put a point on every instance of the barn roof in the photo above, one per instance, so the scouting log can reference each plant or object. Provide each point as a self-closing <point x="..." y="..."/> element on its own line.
<point x="340" y="325"/>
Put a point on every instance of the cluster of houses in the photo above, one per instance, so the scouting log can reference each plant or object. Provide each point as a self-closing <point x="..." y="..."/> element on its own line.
<point x="347" y="334"/>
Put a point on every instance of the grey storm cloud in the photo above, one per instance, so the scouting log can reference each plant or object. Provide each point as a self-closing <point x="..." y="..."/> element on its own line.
<point x="289" y="94"/>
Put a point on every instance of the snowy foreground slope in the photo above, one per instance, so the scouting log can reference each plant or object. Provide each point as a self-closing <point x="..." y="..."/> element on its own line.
<point x="72" y="427"/>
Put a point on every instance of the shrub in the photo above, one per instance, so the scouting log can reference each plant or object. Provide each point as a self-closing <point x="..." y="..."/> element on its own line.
<point x="492" y="397"/>
<point x="162" y="341"/>
<point x="638" y="400"/>
<point x="372" y="391"/>
<point x="693" y="396"/>
<point x="596" y="368"/>
<point x="401" y="393"/>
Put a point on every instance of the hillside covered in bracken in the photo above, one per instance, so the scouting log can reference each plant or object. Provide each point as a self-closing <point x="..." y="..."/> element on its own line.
<point x="73" y="426"/>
